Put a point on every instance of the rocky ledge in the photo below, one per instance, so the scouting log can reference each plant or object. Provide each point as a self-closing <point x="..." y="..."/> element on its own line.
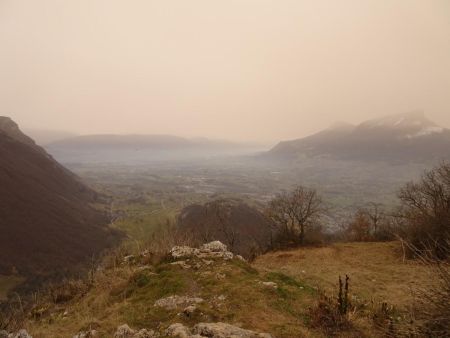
<point x="214" y="249"/>
<point x="212" y="330"/>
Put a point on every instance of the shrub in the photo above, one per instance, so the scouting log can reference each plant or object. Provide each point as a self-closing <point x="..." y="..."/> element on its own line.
<point x="432" y="319"/>
<point x="331" y="314"/>
<point x="370" y="223"/>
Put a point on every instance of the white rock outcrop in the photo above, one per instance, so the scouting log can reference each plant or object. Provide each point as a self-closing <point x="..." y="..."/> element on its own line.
<point x="223" y="330"/>
<point x="215" y="246"/>
<point x="175" y="302"/>
<point x="212" y="330"/>
<point x="214" y="249"/>
<point x="20" y="334"/>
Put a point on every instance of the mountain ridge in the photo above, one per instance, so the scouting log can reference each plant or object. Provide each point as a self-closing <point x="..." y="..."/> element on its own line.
<point x="47" y="222"/>
<point x="141" y="148"/>
<point x="400" y="137"/>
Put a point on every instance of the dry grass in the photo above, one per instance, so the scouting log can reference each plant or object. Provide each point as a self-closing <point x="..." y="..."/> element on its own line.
<point x="378" y="271"/>
<point x="126" y="295"/>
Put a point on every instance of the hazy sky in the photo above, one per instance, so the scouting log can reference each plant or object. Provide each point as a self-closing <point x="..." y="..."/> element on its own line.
<point x="235" y="69"/>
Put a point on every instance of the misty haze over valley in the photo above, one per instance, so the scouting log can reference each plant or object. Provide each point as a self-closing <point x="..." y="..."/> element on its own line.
<point x="224" y="169"/>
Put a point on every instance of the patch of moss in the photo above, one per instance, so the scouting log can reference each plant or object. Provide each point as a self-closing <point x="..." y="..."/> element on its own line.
<point x="245" y="266"/>
<point x="284" y="280"/>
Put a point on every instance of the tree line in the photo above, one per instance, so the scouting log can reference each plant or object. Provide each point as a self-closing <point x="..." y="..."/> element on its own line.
<point x="422" y="219"/>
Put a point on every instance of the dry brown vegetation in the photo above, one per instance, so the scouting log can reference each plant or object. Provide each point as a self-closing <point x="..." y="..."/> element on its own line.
<point x="305" y="304"/>
<point x="378" y="270"/>
<point x="7" y="283"/>
<point x="126" y="294"/>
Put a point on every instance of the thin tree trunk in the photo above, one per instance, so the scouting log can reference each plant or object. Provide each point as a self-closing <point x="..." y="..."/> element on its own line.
<point x="302" y="234"/>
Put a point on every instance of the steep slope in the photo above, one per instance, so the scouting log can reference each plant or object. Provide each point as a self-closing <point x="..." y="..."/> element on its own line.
<point x="46" y="221"/>
<point x="402" y="137"/>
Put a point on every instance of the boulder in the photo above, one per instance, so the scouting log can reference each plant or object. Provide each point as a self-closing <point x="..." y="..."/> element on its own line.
<point x="178" y="330"/>
<point x="124" y="331"/>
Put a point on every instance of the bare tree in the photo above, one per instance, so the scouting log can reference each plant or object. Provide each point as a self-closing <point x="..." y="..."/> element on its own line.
<point x="278" y="212"/>
<point x="375" y="213"/>
<point x="292" y="212"/>
<point x="222" y="212"/>
<point x="426" y="210"/>
<point x="370" y="223"/>
<point x="359" y="227"/>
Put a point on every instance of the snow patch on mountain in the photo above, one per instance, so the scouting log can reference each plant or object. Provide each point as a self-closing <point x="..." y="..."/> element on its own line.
<point x="426" y="131"/>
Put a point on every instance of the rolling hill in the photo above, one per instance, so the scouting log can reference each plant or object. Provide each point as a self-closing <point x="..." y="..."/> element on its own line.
<point x="243" y="228"/>
<point x="47" y="223"/>
<point x="136" y="149"/>
<point x="409" y="137"/>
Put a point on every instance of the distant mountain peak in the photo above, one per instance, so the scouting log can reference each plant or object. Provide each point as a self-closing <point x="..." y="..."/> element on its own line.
<point x="407" y="125"/>
<point x="408" y="136"/>
<point x="399" y="121"/>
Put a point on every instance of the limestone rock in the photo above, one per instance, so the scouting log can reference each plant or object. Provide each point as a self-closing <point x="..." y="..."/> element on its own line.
<point x="215" y="246"/>
<point x="86" y="334"/>
<point x="212" y="330"/>
<point x="178" y="330"/>
<point x="173" y="302"/>
<point x="183" y="251"/>
<point x="270" y="284"/>
<point x="21" y="334"/>
<point x="223" y="330"/>
<point x="124" y="331"/>
<point x="214" y="249"/>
